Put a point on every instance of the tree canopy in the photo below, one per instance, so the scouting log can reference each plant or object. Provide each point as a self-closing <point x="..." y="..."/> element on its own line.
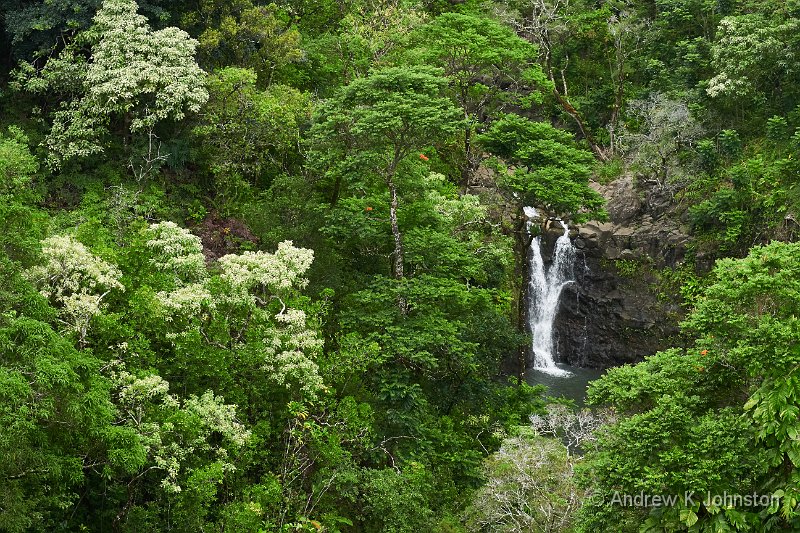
<point x="262" y="264"/>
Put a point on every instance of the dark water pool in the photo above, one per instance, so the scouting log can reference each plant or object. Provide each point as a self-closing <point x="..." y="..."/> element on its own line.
<point x="572" y="386"/>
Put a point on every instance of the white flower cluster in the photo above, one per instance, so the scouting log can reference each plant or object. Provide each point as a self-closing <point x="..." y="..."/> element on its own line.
<point x="218" y="416"/>
<point x="177" y="251"/>
<point x="136" y="394"/>
<point x="190" y="300"/>
<point x="276" y="272"/>
<point x="149" y="409"/>
<point x="74" y="280"/>
<point x="287" y="353"/>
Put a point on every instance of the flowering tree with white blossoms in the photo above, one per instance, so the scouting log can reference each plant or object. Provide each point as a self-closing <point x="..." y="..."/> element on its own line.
<point x="179" y="253"/>
<point x="172" y="434"/>
<point x="245" y="310"/>
<point x="176" y="251"/>
<point x="753" y="54"/>
<point x="75" y="281"/>
<point x="134" y="74"/>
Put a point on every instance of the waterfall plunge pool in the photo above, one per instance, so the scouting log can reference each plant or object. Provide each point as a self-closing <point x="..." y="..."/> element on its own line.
<point x="572" y="386"/>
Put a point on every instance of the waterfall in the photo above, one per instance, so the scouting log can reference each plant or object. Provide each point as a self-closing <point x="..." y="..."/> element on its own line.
<point x="544" y="289"/>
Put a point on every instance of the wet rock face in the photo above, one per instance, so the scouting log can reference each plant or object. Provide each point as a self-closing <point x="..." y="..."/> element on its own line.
<point x="608" y="318"/>
<point x="617" y="311"/>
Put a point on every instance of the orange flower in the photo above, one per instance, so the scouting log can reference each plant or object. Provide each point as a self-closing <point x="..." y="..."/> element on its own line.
<point x="704" y="352"/>
<point x="368" y="208"/>
<point x="423" y="157"/>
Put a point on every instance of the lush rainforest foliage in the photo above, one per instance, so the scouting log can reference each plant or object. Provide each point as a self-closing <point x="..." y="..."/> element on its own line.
<point x="259" y="270"/>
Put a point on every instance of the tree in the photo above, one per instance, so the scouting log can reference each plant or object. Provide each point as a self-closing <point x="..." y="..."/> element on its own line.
<point x="489" y="68"/>
<point x="54" y="410"/>
<point x="185" y="448"/>
<point x="243" y="34"/>
<point x="136" y="75"/>
<point x="34" y="25"/>
<point x="248" y="132"/>
<point x="374" y="124"/>
<point x="75" y="281"/>
<point x="666" y="129"/>
<point x="372" y="33"/>
<point x="550" y="170"/>
<point x="529" y="487"/>
<point x="252" y="293"/>
<point x="17" y="219"/>
<point x="754" y="58"/>
<point x="553" y="26"/>
<point x="37" y="27"/>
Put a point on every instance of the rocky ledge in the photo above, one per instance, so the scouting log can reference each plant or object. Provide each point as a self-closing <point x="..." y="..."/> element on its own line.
<point x="621" y="308"/>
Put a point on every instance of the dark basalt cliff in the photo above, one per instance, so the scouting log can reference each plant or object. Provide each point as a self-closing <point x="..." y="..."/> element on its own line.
<point x="620" y="309"/>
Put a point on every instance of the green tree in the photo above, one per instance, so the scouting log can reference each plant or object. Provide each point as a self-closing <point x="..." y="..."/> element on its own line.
<point x="489" y="68"/>
<point x="551" y="171"/>
<point x="241" y="33"/>
<point x="251" y="133"/>
<point x="600" y="38"/>
<point x="54" y="409"/>
<point x="18" y="219"/>
<point x="375" y="124"/>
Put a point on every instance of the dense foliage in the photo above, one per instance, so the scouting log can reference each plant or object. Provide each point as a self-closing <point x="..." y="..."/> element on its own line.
<point x="257" y="274"/>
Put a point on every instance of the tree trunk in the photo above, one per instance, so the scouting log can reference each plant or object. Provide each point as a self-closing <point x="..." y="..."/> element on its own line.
<point x="397" y="262"/>
<point x="563" y="100"/>
<point x="466" y="172"/>
<point x="337" y="186"/>
<point x="587" y="134"/>
<point x="398" y="238"/>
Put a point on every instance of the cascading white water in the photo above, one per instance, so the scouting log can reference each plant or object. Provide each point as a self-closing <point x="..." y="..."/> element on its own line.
<point x="544" y="289"/>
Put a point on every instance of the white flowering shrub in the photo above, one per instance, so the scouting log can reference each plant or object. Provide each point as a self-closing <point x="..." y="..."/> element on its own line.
<point x="176" y="250"/>
<point x="74" y="280"/>
<point x="148" y="75"/>
<point x="133" y="62"/>
<point x="175" y="435"/>
<point x="263" y="272"/>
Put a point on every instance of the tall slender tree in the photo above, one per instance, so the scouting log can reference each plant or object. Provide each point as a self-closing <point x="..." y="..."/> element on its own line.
<point x="373" y="125"/>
